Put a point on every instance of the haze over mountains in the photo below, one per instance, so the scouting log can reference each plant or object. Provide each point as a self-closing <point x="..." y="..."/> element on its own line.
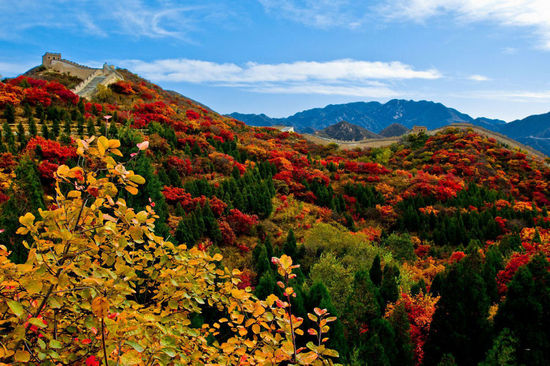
<point x="375" y="117"/>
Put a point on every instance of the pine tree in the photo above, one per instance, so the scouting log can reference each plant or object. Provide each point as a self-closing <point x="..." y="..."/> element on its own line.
<point x="399" y="321"/>
<point x="151" y="191"/>
<point x="90" y="128"/>
<point x="503" y="352"/>
<point x="460" y="323"/>
<point x="9" y="114"/>
<point x="45" y="130"/>
<point x="389" y="290"/>
<point x="113" y="131"/>
<point x="289" y="247"/>
<point x="67" y="127"/>
<point x="80" y="121"/>
<point x="363" y="304"/>
<point x="375" y="272"/>
<point x="55" y="129"/>
<point x="32" y="126"/>
<point x="525" y="312"/>
<point x="21" y="134"/>
<point x="8" y="134"/>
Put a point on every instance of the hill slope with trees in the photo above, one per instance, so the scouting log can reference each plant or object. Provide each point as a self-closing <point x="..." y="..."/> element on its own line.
<point x="432" y="250"/>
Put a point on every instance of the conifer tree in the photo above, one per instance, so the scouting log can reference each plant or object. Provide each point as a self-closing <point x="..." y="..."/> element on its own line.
<point x="67" y="127"/>
<point x="21" y="134"/>
<point x="45" y="130"/>
<point x="375" y="272"/>
<point x="90" y="128"/>
<point x="289" y="247"/>
<point x="80" y="122"/>
<point x="525" y="312"/>
<point x="9" y="113"/>
<point x="32" y="126"/>
<point x="55" y="129"/>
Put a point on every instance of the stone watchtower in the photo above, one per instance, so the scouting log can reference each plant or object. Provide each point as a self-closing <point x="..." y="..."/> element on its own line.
<point x="49" y="57"/>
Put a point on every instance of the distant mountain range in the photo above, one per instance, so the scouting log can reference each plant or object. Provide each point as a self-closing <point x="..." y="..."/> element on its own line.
<point x="375" y="117"/>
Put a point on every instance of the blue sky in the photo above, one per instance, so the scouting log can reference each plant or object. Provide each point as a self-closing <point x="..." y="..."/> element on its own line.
<point x="483" y="57"/>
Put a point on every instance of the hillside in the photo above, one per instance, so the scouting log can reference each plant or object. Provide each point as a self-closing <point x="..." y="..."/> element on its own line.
<point x="346" y="131"/>
<point x="401" y="244"/>
<point x="395" y="129"/>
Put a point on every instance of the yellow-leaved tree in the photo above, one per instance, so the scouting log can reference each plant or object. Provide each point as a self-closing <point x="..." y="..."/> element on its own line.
<point x="75" y="300"/>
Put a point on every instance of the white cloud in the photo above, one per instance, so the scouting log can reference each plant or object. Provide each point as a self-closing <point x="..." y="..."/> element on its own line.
<point x="339" y="77"/>
<point x="520" y="96"/>
<point x="533" y="14"/>
<point x="137" y="18"/>
<point x="344" y="70"/>
<point x="477" y="77"/>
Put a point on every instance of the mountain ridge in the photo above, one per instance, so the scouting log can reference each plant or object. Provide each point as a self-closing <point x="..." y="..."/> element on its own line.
<point x="532" y="130"/>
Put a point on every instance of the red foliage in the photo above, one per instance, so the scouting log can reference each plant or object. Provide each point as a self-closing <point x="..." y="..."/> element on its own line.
<point x="456" y="257"/>
<point x="51" y="149"/>
<point x="228" y="235"/>
<point x="183" y="166"/>
<point x="35" y="96"/>
<point x="241" y="223"/>
<point x="123" y="87"/>
<point x="217" y="206"/>
<point x="47" y="169"/>
<point x="246" y="279"/>
<point x="191" y="114"/>
<point x="504" y="276"/>
<point x="7" y="161"/>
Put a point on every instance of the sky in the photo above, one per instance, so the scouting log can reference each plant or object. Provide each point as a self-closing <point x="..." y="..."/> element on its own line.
<point x="487" y="58"/>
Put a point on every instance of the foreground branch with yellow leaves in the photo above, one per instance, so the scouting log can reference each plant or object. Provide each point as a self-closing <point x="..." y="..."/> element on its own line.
<point x="73" y="303"/>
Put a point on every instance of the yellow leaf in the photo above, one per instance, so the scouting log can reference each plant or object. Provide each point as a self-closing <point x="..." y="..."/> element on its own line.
<point x="132" y="190"/>
<point x="138" y="179"/>
<point x="113" y="144"/>
<point x="22" y="356"/>
<point x="285" y="262"/>
<point x="63" y="170"/>
<point x="27" y="220"/>
<point x="100" y="307"/>
<point x="102" y="145"/>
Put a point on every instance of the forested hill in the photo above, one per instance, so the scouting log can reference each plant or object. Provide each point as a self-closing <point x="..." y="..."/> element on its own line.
<point x="432" y="251"/>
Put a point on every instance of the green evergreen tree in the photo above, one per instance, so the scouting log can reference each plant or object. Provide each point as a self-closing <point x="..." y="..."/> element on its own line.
<point x="150" y="192"/>
<point x="90" y="128"/>
<point x="399" y="321"/>
<point x="45" y="130"/>
<point x="389" y="290"/>
<point x="459" y="325"/>
<point x="21" y="138"/>
<point x="113" y="131"/>
<point x="33" y="131"/>
<point x="375" y="272"/>
<point x="525" y="312"/>
<point x="67" y="127"/>
<point x="363" y="304"/>
<point x="55" y="129"/>
<point x="9" y="114"/>
<point x="289" y="247"/>
<point x="80" y="125"/>
<point x="503" y="352"/>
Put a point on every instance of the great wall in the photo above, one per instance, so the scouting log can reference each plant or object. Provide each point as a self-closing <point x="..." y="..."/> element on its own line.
<point x="91" y="77"/>
<point x="384" y="142"/>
